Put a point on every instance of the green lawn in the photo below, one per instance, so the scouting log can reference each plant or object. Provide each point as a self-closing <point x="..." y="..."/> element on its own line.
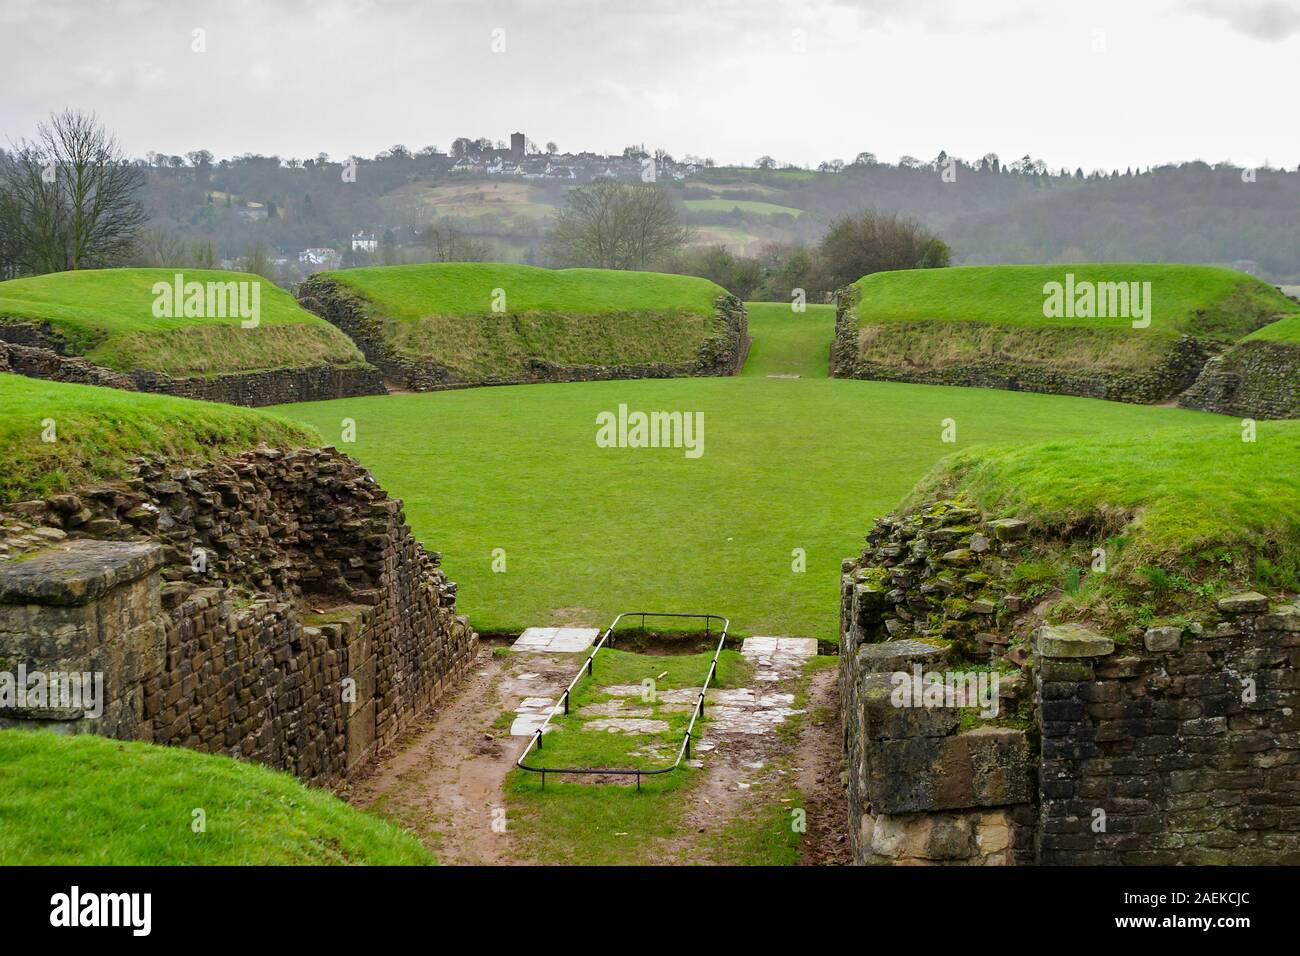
<point x="107" y="316"/>
<point x="1199" y="300"/>
<point x="92" y="801"/>
<point x="1285" y="330"/>
<point x="466" y="288"/>
<point x="723" y="204"/>
<point x="95" y="431"/>
<point x="788" y="464"/>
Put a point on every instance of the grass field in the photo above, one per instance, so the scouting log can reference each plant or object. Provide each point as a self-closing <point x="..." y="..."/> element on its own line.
<point x="95" y="430"/>
<point x="788" y="464"/>
<point x="1185" y="299"/>
<point x="744" y="205"/>
<point x="107" y="316"/>
<point x="92" y="801"/>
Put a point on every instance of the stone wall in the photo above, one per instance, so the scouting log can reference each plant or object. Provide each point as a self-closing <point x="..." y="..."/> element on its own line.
<point x="930" y="781"/>
<point x="1176" y="745"/>
<point x="1174" y="370"/>
<point x="36" y="362"/>
<point x="723" y="353"/>
<point x="272" y="606"/>
<point x="26" y="350"/>
<point x="1183" y="747"/>
<point x="1255" y="379"/>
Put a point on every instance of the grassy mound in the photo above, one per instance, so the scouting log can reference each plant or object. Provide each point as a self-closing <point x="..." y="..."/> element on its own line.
<point x="485" y="321"/>
<point x="1186" y="299"/>
<point x="107" y="317"/>
<point x="95" y="431"/>
<point x="1184" y="513"/>
<point x="1285" y="330"/>
<point x="985" y="325"/>
<point x="92" y="801"/>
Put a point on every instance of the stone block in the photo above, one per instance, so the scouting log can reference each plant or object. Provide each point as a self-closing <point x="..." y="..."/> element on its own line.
<point x="1071" y="641"/>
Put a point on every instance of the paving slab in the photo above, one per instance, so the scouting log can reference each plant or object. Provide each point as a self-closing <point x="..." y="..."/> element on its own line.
<point x="530" y="715"/>
<point x="556" y="640"/>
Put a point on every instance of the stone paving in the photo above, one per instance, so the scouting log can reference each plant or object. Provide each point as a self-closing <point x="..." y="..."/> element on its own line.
<point x="556" y="640"/>
<point x="739" y="710"/>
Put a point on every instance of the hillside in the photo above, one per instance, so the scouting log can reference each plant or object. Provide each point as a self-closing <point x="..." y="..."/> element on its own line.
<point x="97" y="429"/>
<point x="1130" y="332"/>
<point x="445" y="324"/>
<point x="107" y="317"/>
<point x="93" y="801"/>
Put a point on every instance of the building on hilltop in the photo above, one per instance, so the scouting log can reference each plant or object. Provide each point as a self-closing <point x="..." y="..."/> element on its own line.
<point x="517" y="142"/>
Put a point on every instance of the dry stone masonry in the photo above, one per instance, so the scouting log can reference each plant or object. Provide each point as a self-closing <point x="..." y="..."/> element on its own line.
<point x="272" y="606"/>
<point x="1178" y="746"/>
<point x="1255" y="379"/>
<point x="1176" y="369"/>
<point x="723" y="353"/>
<point x="24" y="350"/>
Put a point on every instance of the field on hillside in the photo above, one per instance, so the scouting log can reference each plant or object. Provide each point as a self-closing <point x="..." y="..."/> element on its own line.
<point x="1200" y="300"/>
<point x="91" y="801"/>
<point x="744" y="205"/>
<point x="93" y="431"/>
<point x="107" y="317"/>
<point x="472" y="200"/>
<point x="790" y="467"/>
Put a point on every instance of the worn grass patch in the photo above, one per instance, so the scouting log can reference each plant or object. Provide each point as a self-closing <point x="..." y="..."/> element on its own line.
<point x="95" y="431"/>
<point x="92" y="801"/>
<point x="106" y="316"/>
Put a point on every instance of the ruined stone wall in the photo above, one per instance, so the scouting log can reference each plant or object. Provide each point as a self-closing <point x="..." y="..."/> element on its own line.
<point x="1177" y="368"/>
<point x="1183" y="747"/>
<point x="272" y="606"/>
<point x="934" y="784"/>
<point x="1255" y="379"/>
<point x="26" y="350"/>
<point x="723" y="353"/>
<point x="1177" y="745"/>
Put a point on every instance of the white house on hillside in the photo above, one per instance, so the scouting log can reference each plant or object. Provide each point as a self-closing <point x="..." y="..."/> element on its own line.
<point x="364" y="242"/>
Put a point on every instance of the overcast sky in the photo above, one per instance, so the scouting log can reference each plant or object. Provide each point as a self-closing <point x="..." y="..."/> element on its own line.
<point x="1102" y="83"/>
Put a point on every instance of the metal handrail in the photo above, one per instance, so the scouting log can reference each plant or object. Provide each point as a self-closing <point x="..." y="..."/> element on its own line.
<point x="589" y="666"/>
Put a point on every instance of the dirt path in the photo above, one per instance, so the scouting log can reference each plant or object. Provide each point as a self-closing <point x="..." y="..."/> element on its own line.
<point x="747" y="773"/>
<point x="444" y="777"/>
<point x="821" y="759"/>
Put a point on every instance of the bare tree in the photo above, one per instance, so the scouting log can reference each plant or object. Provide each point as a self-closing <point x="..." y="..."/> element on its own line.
<point x="448" y="244"/>
<point x="612" y="225"/>
<point x="67" y="201"/>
